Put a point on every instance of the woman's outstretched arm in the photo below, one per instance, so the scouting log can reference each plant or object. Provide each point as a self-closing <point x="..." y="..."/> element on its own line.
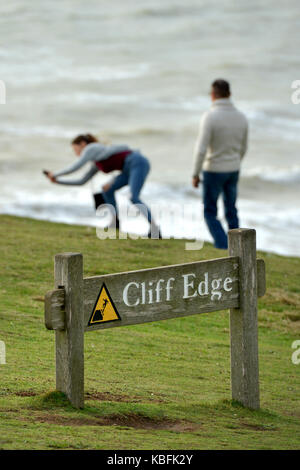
<point x="86" y="177"/>
<point x="92" y="153"/>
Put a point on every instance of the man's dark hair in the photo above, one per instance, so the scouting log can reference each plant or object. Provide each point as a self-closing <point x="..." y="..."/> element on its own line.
<point x="221" y="88"/>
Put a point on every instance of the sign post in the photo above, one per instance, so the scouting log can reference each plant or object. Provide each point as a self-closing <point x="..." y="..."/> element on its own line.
<point x="79" y="305"/>
<point x="69" y="338"/>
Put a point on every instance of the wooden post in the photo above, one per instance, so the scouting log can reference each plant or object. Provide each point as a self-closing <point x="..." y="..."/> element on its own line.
<point x="243" y="321"/>
<point x="68" y="273"/>
<point x="55" y="309"/>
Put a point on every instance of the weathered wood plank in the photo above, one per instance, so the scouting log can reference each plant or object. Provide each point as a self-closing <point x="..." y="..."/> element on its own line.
<point x="261" y="277"/>
<point x="243" y="321"/>
<point x="68" y="272"/>
<point x="55" y="309"/>
<point x="166" y="292"/>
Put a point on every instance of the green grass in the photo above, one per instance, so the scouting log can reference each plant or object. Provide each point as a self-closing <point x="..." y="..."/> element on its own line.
<point x="163" y="385"/>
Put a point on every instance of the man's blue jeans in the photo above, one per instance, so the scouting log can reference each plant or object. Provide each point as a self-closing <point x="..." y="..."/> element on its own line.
<point x="215" y="184"/>
<point x="134" y="173"/>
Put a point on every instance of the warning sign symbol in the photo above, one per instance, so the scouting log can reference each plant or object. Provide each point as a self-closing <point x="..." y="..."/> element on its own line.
<point x="104" y="309"/>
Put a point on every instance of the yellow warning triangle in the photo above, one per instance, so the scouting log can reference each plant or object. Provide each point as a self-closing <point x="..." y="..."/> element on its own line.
<point x="104" y="309"/>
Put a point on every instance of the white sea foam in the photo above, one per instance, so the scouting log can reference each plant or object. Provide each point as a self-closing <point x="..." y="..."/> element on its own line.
<point x="278" y="228"/>
<point x="39" y="75"/>
<point x="42" y="131"/>
<point x="281" y="176"/>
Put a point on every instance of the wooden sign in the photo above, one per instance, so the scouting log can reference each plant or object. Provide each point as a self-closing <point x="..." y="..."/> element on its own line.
<point x="234" y="282"/>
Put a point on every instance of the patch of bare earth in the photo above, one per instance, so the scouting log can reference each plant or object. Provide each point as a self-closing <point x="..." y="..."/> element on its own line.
<point x="294" y="414"/>
<point x="258" y="427"/>
<point x="107" y="396"/>
<point x="129" y="420"/>
<point x="285" y="298"/>
<point x="25" y="393"/>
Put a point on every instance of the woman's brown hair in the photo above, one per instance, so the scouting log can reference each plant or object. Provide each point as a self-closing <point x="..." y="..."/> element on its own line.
<point x="87" y="138"/>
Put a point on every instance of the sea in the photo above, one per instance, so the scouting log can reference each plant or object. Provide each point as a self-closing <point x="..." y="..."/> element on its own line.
<point x="138" y="72"/>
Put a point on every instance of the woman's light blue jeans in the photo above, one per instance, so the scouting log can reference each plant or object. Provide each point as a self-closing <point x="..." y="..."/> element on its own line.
<point x="134" y="174"/>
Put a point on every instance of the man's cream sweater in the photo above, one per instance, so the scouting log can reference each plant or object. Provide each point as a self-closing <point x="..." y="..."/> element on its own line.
<point x="222" y="140"/>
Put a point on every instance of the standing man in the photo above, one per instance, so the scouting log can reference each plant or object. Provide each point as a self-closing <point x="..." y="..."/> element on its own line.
<point x="221" y="144"/>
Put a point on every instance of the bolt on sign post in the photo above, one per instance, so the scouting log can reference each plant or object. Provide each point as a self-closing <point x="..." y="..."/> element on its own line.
<point x="79" y="305"/>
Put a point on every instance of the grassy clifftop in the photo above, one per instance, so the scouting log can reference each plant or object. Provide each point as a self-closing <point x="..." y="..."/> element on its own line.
<point x="161" y="385"/>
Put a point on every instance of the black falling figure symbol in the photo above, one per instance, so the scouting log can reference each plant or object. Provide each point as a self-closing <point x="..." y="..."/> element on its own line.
<point x="99" y="313"/>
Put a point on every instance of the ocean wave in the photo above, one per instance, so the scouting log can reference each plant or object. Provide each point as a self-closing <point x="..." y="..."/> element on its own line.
<point x="273" y="174"/>
<point x="62" y="133"/>
<point x="92" y="98"/>
<point x="45" y="74"/>
<point x="43" y="131"/>
<point x="166" y="11"/>
<point x="273" y="123"/>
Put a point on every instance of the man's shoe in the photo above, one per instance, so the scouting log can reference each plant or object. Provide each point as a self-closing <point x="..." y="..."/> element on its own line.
<point x="155" y="234"/>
